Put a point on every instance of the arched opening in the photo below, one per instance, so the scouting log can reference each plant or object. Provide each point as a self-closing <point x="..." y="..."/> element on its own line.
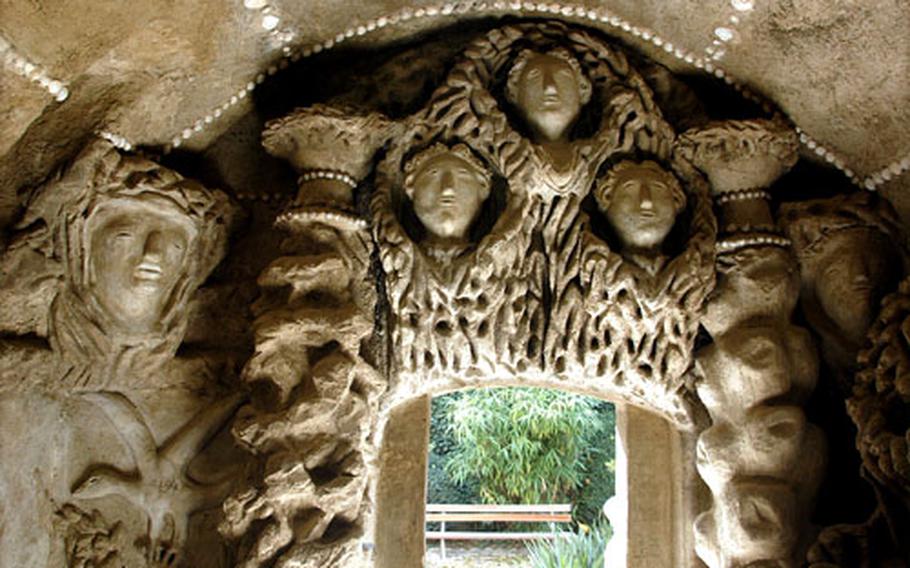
<point x="655" y="498"/>
<point x="531" y="462"/>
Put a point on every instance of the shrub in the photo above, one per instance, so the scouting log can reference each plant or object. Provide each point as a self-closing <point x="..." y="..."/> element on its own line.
<point x="582" y="549"/>
<point x="529" y="445"/>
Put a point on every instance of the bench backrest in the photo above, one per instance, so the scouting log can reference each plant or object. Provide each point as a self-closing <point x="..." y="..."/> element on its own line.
<point x="561" y="513"/>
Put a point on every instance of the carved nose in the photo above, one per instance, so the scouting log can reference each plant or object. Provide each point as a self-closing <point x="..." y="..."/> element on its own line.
<point x="154" y="245"/>
<point x="447" y="183"/>
<point x="549" y="85"/>
<point x="644" y="198"/>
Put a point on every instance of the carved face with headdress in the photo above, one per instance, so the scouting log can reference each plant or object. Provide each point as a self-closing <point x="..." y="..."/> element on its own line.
<point x="137" y="240"/>
<point x="641" y="201"/>
<point x="447" y="186"/>
<point x="849" y="256"/>
<point x="548" y="89"/>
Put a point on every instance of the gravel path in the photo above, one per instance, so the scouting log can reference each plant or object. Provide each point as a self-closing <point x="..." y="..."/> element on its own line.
<point x="477" y="554"/>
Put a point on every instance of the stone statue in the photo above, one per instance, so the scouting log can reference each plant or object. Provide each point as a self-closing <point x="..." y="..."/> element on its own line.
<point x="641" y="201"/>
<point x="849" y="254"/>
<point x="456" y="248"/>
<point x="549" y="89"/>
<point x="632" y="310"/>
<point x="136" y="240"/>
<point x="447" y="187"/>
<point x="133" y="241"/>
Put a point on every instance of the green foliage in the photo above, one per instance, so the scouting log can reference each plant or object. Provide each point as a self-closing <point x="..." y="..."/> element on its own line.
<point x="582" y="549"/>
<point x="441" y="488"/>
<point x="529" y="445"/>
<point x="600" y="465"/>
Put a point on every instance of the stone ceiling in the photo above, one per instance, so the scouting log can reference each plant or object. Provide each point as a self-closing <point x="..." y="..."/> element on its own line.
<point x="165" y="72"/>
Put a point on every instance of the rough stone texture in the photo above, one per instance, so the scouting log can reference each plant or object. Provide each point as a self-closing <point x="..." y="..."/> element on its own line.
<point x="359" y="279"/>
<point x="115" y="438"/>
<point x="760" y="458"/>
<point x="543" y="288"/>
<point x="317" y="389"/>
<point x="151" y="77"/>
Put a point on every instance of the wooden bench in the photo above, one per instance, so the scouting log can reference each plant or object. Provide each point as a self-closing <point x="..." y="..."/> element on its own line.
<point x="494" y="514"/>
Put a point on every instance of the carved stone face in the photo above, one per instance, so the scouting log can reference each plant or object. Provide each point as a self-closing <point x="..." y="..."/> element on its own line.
<point x="138" y="252"/>
<point x="854" y="271"/>
<point x="642" y="207"/>
<point x="549" y="96"/>
<point x="448" y="192"/>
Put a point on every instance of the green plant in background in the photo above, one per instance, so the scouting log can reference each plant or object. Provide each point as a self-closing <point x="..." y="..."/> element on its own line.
<point x="441" y="488"/>
<point x="582" y="549"/>
<point x="531" y="445"/>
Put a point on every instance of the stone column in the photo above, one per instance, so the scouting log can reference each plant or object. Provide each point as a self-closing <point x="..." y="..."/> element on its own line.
<point x="315" y="374"/>
<point x="655" y="493"/>
<point x="401" y="492"/>
<point x="760" y="458"/>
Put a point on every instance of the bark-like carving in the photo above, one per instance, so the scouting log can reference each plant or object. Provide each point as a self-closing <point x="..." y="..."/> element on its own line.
<point x="541" y="108"/>
<point x="315" y="374"/>
<point x="631" y="317"/>
<point x="880" y="407"/>
<point x="467" y="309"/>
<point x="760" y="458"/>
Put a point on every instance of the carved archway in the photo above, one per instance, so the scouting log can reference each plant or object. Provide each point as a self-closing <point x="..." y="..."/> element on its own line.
<point x="367" y="305"/>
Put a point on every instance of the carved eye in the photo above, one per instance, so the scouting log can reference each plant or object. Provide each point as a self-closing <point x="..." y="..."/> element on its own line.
<point x="123" y="234"/>
<point x="534" y="73"/>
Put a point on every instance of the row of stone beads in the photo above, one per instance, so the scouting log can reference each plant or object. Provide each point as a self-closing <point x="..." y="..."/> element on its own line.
<point x="264" y="197"/>
<point x="870" y="182"/>
<point x="288" y="54"/>
<point x="742" y="195"/>
<point x="303" y="215"/>
<point x="311" y="175"/>
<point x="602" y="16"/>
<point x="732" y="244"/>
<point x="33" y="72"/>
<point x="733" y="229"/>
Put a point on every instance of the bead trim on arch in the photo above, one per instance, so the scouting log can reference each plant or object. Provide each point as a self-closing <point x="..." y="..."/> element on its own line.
<point x="600" y="16"/>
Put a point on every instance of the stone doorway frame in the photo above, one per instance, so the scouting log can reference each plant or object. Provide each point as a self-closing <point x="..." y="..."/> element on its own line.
<point x="658" y="489"/>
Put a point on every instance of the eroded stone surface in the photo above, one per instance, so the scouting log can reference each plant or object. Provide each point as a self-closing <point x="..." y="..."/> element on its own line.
<point x="527" y="213"/>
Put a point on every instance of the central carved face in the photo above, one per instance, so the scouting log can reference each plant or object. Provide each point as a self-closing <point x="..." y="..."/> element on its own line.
<point x="642" y="207"/>
<point x="138" y="253"/>
<point x="448" y="192"/>
<point x="549" y="96"/>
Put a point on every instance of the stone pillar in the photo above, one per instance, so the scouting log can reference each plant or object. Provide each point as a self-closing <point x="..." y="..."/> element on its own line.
<point x="760" y="458"/>
<point x="652" y="489"/>
<point x="401" y="492"/>
<point x="315" y="373"/>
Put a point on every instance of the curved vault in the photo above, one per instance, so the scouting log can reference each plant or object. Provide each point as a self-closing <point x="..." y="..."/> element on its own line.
<point x="837" y="69"/>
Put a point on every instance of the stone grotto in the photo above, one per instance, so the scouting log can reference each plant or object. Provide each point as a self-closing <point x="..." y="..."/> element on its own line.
<point x="243" y="243"/>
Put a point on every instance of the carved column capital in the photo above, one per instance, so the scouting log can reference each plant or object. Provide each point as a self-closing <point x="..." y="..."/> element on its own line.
<point x="739" y="155"/>
<point x="331" y="148"/>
